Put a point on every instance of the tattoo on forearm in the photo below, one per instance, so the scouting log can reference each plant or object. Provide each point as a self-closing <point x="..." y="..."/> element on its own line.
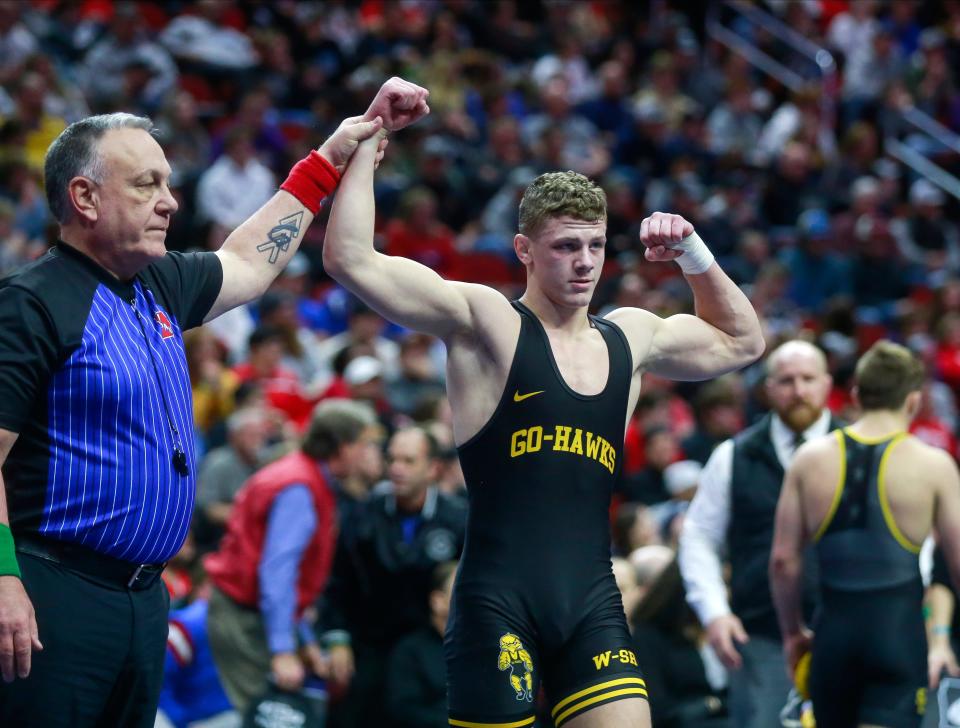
<point x="280" y="237"/>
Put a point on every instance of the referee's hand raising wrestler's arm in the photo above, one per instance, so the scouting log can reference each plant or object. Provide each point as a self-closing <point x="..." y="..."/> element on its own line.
<point x="254" y="254"/>
<point x="18" y="624"/>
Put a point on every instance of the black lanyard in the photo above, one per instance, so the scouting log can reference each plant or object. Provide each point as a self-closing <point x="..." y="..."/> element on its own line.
<point x="179" y="455"/>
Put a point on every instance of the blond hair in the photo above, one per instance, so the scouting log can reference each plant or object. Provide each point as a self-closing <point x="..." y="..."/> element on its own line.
<point x="561" y="194"/>
<point x="886" y="374"/>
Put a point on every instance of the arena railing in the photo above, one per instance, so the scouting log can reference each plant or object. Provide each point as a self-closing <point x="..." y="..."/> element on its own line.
<point x="816" y="60"/>
<point x="926" y="137"/>
<point x="929" y="138"/>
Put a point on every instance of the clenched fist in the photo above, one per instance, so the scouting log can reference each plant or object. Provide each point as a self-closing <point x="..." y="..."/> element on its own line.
<point x="399" y="103"/>
<point x="661" y="233"/>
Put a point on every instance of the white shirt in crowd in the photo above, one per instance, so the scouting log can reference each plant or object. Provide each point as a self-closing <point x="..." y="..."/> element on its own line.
<point x="704" y="535"/>
<point x="228" y="194"/>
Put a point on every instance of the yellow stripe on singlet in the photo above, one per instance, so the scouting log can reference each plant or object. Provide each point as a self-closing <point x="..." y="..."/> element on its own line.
<point x="594" y="688"/>
<point x="471" y="724"/>
<point x="558" y="721"/>
<point x="838" y="493"/>
<point x="885" y="505"/>
<point x="866" y="440"/>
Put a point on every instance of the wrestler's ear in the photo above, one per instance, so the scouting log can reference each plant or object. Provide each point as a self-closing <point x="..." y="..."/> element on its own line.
<point x="522" y="245"/>
<point x="913" y="402"/>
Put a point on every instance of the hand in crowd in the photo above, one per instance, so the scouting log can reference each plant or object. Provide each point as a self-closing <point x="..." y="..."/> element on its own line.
<point x="288" y="671"/>
<point x="724" y="634"/>
<point x="18" y="629"/>
<point x="940" y="659"/>
<point x="316" y="661"/>
<point x="341" y="664"/>
<point x="661" y="233"/>
<point x="399" y="103"/>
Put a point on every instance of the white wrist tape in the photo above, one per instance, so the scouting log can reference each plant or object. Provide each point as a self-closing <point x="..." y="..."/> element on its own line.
<point x="696" y="256"/>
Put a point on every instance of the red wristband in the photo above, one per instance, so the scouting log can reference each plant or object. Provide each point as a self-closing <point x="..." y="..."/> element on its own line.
<point x="311" y="180"/>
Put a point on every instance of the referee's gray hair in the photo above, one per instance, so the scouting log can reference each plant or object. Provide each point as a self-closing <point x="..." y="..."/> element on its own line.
<point x="336" y="422"/>
<point x="74" y="154"/>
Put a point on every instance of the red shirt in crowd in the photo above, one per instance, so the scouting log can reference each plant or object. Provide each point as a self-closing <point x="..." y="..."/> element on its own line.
<point x="432" y="246"/>
<point x="234" y="568"/>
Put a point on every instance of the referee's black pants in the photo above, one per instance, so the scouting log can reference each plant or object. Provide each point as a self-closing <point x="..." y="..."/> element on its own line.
<point x="103" y="653"/>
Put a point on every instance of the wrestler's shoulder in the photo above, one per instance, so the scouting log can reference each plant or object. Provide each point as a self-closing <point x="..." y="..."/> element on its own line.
<point x="492" y="317"/>
<point x="485" y="299"/>
<point x="637" y="324"/>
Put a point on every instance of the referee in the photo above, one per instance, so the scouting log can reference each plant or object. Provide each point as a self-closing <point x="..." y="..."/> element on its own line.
<point x="95" y="410"/>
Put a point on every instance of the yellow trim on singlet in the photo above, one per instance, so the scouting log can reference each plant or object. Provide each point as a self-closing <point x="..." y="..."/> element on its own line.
<point x="885" y="506"/>
<point x="864" y="440"/>
<point x="594" y="688"/>
<point x="558" y="721"/>
<point x="470" y="724"/>
<point x="838" y="493"/>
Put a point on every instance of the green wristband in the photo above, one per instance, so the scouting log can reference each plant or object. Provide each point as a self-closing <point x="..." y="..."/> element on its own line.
<point x="8" y="557"/>
<point x="335" y="638"/>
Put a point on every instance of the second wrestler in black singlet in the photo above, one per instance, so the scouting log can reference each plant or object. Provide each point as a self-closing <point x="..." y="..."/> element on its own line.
<point x="869" y="662"/>
<point x="535" y="597"/>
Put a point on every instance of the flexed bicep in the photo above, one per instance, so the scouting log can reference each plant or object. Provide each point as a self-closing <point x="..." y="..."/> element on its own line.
<point x="682" y="347"/>
<point x="687" y="348"/>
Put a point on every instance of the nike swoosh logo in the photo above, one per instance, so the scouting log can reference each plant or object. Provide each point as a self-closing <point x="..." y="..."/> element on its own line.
<point x="517" y="397"/>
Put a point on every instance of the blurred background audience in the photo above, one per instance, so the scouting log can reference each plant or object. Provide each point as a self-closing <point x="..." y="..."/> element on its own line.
<point x="796" y="181"/>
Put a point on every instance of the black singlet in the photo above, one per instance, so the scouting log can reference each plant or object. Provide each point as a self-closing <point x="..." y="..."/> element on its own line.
<point x="535" y="587"/>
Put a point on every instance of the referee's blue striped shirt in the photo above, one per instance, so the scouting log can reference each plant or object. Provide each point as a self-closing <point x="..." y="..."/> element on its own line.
<point x="94" y="379"/>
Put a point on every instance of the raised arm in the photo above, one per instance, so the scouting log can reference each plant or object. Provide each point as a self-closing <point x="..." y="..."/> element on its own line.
<point x="255" y="253"/>
<point x="399" y="289"/>
<point x="725" y="333"/>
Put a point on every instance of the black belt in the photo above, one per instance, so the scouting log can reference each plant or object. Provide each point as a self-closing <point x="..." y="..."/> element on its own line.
<point x="99" y="567"/>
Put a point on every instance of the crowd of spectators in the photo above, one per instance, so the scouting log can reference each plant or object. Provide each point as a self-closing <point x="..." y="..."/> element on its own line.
<point x="794" y="190"/>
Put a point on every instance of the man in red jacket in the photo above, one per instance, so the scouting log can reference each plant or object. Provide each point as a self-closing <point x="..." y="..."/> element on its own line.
<point x="275" y="558"/>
